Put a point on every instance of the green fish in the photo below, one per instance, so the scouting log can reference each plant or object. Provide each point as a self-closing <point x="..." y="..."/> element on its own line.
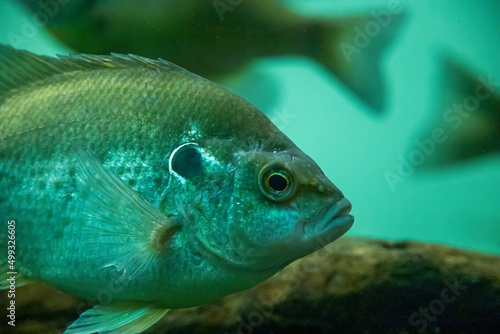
<point x="136" y="175"/>
<point x="215" y="38"/>
<point x="466" y="125"/>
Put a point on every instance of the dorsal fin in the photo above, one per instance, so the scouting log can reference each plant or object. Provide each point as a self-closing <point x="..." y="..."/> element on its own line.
<point x="18" y="67"/>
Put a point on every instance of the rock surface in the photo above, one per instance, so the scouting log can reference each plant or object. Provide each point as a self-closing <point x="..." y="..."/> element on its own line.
<point x="351" y="286"/>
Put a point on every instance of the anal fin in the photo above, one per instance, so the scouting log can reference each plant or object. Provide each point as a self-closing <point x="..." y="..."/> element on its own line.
<point x="126" y="318"/>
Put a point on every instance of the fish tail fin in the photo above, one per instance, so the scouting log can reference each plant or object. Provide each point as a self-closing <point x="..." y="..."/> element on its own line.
<point x="123" y="318"/>
<point x="353" y="48"/>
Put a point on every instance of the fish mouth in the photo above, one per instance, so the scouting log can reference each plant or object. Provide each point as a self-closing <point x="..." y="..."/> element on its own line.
<point x="331" y="223"/>
<point x="328" y="225"/>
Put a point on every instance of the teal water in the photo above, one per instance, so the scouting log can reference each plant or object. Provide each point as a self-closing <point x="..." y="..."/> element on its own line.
<point x="458" y="204"/>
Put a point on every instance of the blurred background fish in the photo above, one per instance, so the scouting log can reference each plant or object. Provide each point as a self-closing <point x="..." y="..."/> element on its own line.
<point x="215" y="38"/>
<point x="468" y="117"/>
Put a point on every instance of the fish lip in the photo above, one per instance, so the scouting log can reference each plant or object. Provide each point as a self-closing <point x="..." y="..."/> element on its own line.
<point x="331" y="222"/>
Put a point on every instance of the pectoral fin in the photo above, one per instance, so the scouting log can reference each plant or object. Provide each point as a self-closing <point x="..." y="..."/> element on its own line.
<point x="119" y="227"/>
<point x="123" y="318"/>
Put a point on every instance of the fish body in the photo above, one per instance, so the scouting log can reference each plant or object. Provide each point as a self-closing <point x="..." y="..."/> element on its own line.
<point x="214" y="38"/>
<point x="137" y="172"/>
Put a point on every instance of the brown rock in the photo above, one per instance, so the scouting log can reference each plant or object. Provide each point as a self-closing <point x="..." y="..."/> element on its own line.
<point x="353" y="285"/>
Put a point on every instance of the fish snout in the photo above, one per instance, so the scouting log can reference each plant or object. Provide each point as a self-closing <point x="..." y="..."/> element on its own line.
<point x="331" y="222"/>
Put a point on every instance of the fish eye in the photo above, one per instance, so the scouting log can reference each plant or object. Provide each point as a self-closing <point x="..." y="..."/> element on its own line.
<point x="185" y="160"/>
<point x="276" y="182"/>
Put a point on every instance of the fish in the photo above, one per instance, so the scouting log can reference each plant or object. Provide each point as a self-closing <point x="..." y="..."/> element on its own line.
<point x="466" y="126"/>
<point x="140" y="185"/>
<point x="217" y="38"/>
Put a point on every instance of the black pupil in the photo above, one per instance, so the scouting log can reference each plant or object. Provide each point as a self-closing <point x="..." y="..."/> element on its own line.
<point x="187" y="163"/>
<point x="278" y="182"/>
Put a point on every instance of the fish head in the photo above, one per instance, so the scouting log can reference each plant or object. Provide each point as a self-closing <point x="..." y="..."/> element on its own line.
<point x="256" y="207"/>
<point x="285" y="208"/>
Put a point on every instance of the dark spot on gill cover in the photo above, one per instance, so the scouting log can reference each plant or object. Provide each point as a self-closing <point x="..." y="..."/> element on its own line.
<point x="187" y="163"/>
<point x="131" y="182"/>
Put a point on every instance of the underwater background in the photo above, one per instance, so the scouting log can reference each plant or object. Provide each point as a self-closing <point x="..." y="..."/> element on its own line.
<point x="369" y="153"/>
<point x="410" y="133"/>
<point x="386" y="161"/>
